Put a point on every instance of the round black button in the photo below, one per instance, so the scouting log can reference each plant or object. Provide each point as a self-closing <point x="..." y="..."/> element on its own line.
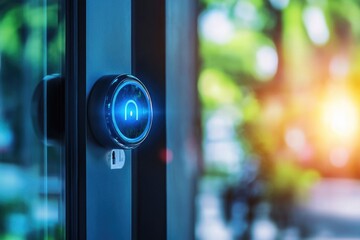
<point x="120" y="111"/>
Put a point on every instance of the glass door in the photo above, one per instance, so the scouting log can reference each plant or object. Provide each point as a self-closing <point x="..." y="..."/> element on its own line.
<point x="32" y="203"/>
<point x="55" y="178"/>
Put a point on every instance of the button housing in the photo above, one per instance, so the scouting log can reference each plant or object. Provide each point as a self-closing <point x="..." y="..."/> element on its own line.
<point x="120" y="111"/>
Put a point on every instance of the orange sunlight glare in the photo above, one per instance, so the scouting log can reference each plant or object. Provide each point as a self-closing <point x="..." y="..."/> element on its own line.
<point x="340" y="116"/>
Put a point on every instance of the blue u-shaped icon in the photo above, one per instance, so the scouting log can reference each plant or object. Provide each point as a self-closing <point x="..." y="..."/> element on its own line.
<point x="131" y="113"/>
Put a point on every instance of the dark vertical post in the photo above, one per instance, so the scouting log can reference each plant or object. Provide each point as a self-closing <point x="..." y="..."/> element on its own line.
<point x="149" y="169"/>
<point x="75" y="118"/>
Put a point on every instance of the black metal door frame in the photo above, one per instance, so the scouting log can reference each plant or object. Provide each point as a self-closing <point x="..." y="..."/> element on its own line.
<point x="148" y="168"/>
<point x="75" y="118"/>
<point x="149" y="172"/>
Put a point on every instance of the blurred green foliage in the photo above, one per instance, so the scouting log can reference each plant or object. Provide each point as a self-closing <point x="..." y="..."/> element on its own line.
<point x="31" y="45"/>
<point x="238" y="57"/>
<point x="22" y="28"/>
<point x="217" y="89"/>
<point x="292" y="98"/>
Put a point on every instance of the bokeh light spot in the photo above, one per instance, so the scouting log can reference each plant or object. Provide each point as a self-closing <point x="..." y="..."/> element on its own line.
<point x="215" y="26"/>
<point x="295" y="139"/>
<point x="166" y="155"/>
<point x="339" y="157"/>
<point x="316" y="26"/>
<point x="266" y="62"/>
<point x="279" y="4"/>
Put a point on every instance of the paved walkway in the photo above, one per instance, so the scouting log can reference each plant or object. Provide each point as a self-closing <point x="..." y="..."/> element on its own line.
<point x="332" y="211"/>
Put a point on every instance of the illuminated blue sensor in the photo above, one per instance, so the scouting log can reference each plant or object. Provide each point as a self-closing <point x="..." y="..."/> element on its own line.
<point x="131" y="111"/>
<point x="120" y="111"/>
<point x="132" y="102"/>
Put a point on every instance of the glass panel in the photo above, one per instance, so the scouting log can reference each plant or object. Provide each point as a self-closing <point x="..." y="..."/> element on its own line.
<point x="31" y="171"/>
<point x="279" y="88"/>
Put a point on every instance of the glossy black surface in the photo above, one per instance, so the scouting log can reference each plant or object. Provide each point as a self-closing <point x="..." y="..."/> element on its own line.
<point x="120" y="111"/>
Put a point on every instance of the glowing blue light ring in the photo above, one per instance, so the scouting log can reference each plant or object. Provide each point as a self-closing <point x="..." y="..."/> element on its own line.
<point x="148" y="101"/>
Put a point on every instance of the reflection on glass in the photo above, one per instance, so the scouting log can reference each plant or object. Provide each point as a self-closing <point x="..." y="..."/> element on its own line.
<point x="31" y="178"/>
<point x="279" y="86"/>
